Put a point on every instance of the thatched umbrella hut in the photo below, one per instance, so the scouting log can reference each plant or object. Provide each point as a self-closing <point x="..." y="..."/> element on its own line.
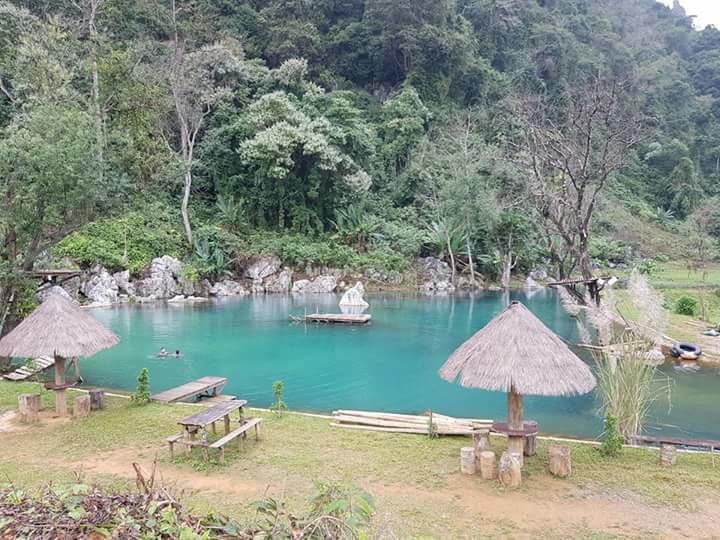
<point x="516" y="353"/>
<point x="57" y="328"/>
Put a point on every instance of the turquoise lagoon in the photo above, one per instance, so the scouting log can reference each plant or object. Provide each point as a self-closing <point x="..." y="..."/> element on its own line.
<point x="390" y="365"/>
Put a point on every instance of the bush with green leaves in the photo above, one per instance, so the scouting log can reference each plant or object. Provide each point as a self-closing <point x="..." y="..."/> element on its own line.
<point x="130" y="241"/>
<point x="647" y="267"/>
<point x="141" y="396"/>
<point x="603" y="249"/>
<point x="612" y="440"/>
<point x="686" y="305"/>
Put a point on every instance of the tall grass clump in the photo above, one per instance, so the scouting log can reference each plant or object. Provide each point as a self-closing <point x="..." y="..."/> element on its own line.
<point x="628" y="381"/>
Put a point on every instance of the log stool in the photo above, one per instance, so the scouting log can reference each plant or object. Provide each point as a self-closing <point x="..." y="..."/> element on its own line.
<point x="29" y="408"/>
<point x="467" y="460"/>
<point x="668" y="454"/>
<point x="97" y="399"/>
<point x="510" y="470"/>
<point x="81" y="406"/>
<point x="488" y="465"/>
<point x="560" y="462"/>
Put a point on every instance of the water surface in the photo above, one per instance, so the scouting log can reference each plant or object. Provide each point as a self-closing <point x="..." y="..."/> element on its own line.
<point x="390" y="365"/>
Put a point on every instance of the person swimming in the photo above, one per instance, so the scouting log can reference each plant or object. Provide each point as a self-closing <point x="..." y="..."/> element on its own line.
<point x="163" y="352"/>
<point x="177" y="354"/>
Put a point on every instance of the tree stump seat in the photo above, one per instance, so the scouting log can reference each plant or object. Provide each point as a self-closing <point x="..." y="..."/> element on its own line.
<point x="29" y="408"/>
<point x="560" y="461"/>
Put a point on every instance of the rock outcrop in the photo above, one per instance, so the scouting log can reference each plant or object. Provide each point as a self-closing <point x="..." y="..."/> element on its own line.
<point x="228" y="287"/>
<point x="125" y="286"/>
<point x="321" y="284"/>
<point x="98" y="286"/>
<point x="280" y="282"/>
<point x="435" y="275"/>
<point x="162" y="281"/>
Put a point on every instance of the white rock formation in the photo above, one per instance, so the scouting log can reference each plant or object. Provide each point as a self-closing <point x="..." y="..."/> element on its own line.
<point x="353" y="297"/>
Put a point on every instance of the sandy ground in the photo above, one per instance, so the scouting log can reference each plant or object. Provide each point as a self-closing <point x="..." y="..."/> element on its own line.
<point x="563" y="510"/>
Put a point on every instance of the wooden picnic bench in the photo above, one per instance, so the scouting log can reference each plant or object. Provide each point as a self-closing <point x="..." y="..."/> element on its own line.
<point x="245" y="426"/>
<point x="197" y="424"/>
<point x="197" y="389"/>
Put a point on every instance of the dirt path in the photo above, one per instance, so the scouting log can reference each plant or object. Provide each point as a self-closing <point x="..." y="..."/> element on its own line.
<point x="548" y="506"/>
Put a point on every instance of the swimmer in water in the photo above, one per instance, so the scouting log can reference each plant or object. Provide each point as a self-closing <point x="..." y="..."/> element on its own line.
<point x="163" y="352"/>
<point x="177" y="353"/>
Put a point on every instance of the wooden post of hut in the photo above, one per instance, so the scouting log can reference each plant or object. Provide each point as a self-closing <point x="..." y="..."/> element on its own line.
<point x="516" y="433"/>
<point x="60" y="399"/>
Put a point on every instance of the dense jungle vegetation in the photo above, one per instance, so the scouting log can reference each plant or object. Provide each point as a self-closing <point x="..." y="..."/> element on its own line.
<point x="496" y="134"/>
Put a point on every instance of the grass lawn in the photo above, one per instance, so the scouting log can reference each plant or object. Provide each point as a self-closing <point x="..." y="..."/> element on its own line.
<point x="414" y="480"/>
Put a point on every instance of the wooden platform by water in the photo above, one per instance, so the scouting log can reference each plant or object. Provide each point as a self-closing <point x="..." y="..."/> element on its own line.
<point x="203" y="387"/>
<point x="25" y="372"/>
<point x="333" y="318"/>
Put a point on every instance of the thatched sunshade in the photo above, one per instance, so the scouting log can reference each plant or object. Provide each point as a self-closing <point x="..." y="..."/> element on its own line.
<point x="58" y="328"/>
<point x="516" y="353"/>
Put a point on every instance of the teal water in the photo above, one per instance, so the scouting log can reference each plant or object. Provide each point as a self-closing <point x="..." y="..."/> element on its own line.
<point x="390" y="365"/>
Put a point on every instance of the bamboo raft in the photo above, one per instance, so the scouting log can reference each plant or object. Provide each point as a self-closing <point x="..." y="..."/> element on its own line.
<point x="25" y="372"/>
<point x="408" y="423"/>
<point x="332" y="318"/>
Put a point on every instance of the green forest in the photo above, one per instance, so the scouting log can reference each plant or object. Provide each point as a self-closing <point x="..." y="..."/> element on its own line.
<point x="497" y="135"/>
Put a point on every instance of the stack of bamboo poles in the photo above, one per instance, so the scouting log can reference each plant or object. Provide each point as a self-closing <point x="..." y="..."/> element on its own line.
<point x="408" y="423"/>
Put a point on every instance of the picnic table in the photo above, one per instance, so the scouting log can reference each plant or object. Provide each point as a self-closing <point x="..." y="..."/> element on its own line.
<point x="529" y="432"/>
<point x="197" y="424"/>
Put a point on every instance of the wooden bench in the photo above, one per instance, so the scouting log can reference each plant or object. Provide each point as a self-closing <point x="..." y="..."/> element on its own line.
<point x="171" y="440"/>
<point x="242" y="430"/>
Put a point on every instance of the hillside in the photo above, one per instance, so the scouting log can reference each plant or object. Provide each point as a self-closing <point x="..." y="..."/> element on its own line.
<point x="354" y="134"/>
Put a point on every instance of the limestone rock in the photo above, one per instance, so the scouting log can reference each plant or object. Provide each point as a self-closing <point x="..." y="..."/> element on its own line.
<point x="353" y="297"/>
<point x="539" y="274"/>
<point x="263" y="267"/>
<point x="279" y="282"/>
<point x="300" y="285"/>
<point x="98" y="286"/>
<point x="125" y="286"/>
<point x="162" y="280"/>
<point x="228" y="288"/>
<point x="321" y="284"/>
<point x="467" y="284"/>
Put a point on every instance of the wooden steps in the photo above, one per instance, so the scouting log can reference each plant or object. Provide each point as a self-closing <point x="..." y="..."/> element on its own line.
<point x="24" y="372"/>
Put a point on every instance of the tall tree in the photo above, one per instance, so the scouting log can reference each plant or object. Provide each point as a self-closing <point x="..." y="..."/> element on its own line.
<point x="199" y="81"/>
<point x="573" y="147"/>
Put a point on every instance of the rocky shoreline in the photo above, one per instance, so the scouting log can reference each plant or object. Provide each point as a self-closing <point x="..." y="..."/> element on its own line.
<point x="167" y="279"/>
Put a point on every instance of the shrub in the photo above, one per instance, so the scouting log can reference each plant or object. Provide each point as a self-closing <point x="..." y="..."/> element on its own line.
<point x="612" y="440"/>
<point x="686" y="305"/>
<point x="604" y="249"/>
<point x="278" y="405"/>
<point x="647" y="267"/>
<point x="130" y="241"/>
<point x="142" y="392"/>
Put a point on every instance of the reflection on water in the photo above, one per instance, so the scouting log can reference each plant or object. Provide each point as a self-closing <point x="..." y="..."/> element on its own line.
<point x="388" y="365"/>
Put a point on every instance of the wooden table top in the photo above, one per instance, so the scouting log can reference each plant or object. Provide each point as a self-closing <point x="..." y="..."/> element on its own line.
<point x="213" y="414"/>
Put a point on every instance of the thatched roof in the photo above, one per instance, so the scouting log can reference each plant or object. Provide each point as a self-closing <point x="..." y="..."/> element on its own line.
<point x="517" y="349"/>
<point x="57" y="327"/>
